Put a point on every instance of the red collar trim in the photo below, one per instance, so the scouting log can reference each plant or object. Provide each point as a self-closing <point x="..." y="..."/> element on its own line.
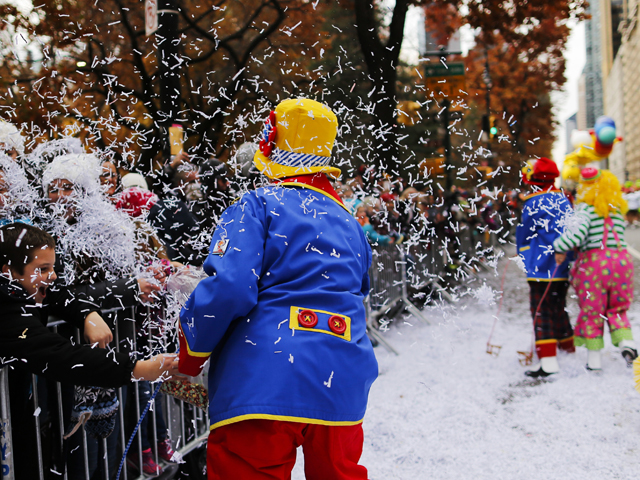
<point x="317" y="181"/>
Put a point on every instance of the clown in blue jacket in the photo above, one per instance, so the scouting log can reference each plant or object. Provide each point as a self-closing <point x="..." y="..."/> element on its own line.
<point x="543" y="217"/>
<point x="281" y="315"/>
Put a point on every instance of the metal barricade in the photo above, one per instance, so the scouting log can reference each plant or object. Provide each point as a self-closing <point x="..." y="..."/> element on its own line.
<point x="388" y="290"/>
<point x="5" y="425"/>
<point x="187" y="426"/>
<point x="402" y="274"/>
<point x="386" y="279"/>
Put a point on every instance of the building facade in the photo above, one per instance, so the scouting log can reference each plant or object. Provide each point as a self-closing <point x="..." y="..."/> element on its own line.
<point x="631" y="90"/>
<point x="570" y="125"/>
<point x="610" y="82"/>
<point x="614" y="106"/>
<point x="592" y="71"/>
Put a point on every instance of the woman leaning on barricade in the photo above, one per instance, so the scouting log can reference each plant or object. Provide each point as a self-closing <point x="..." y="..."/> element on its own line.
<point x="95" y="247"/>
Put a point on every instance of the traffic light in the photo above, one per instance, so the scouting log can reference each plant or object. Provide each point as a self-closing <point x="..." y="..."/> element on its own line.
<point x="493" y="131"/>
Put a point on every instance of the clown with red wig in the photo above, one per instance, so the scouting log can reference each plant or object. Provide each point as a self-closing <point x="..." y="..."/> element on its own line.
<point x="543" y="218"/>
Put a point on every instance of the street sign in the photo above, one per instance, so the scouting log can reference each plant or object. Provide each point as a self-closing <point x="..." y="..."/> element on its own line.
<point x="446" y="81"/>
<point x="453" y="69"/>
<point x="150" y="16"/>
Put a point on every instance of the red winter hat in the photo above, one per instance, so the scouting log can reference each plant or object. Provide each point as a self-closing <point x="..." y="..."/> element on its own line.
<point x="541" y="172"/>
<point x="388" y="197"/>
<point x="134" y="200"/>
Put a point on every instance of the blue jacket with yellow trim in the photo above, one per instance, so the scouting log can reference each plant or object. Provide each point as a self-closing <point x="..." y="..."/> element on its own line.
<point x="282" y="250"/>
<point x="542" y="222"/>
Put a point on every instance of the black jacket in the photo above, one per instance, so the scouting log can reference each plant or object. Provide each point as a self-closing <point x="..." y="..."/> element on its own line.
<point x="24" y="338"/>
<point x="177" y="228"/>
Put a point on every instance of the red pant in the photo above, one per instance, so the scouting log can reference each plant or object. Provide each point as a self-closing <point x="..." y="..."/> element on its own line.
<point x="266" y="449"/>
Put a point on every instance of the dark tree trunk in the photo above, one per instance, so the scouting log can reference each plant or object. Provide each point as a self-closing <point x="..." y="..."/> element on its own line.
<point x="382" y="60"/>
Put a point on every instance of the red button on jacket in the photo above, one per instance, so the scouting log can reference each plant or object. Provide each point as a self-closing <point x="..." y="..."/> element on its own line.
<point x="307" y="319"/>
<point x="337" y="324"/>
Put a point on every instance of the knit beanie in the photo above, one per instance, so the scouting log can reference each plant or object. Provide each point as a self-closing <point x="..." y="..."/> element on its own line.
<point x="81" y="169"/>
<point x="135" y="201"/>
<point x="134" y="180"/>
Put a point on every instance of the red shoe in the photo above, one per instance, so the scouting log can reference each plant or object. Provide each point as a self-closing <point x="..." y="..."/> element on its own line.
<point x="149" y="466"/>
<point x="167" y="453"/>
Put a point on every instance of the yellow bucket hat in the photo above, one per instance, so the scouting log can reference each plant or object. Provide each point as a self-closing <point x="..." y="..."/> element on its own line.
<point x="297" y="139"/>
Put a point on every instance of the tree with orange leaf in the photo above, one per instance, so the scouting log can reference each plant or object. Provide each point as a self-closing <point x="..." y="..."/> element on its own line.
<point x="98" y="74"/>
<point x="522" y="42"/>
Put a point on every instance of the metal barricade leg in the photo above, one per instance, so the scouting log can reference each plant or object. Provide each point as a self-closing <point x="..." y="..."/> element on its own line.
<point x="154" y="446"/>
<point x="6" y="447"/>
<point x="183" y="432"/>
<point x="85" y="452"/>
<point x="152" y="350"/>
<point x="123" y="440"/>
<point x="136" y="387"/>
<point x="405" y="299"/>
<point x="169" y="419"/>
<point x="105" y="449"/>
<point x="36" y="408"/>
<point x="60" y="418"/>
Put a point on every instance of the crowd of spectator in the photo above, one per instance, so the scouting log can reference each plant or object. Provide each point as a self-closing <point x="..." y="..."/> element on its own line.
<point x="393" y="212"/>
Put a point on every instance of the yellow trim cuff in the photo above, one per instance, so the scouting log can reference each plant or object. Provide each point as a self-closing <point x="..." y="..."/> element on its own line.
<point x="281" y="418"/>
<point x="523" y="249"/>
<point x="191" y="352"/>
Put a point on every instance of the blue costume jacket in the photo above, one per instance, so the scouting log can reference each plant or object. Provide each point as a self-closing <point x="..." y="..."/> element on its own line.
<point x="281" y="315"/>
<point x="542" y="222"/>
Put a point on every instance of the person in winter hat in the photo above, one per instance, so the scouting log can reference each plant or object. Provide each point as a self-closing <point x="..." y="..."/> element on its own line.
<point x="136" y="200"/>
<point x="603" y="272"/>
<point x="543" y="214"/>
<point x="96" y="248"/>
<point x="283" y="310"/>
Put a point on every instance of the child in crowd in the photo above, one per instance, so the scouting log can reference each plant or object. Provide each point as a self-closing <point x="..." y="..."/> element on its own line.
<point x="27" y="258"/>
<point x="542" y="216"/>
<point x="603" y="272"/>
